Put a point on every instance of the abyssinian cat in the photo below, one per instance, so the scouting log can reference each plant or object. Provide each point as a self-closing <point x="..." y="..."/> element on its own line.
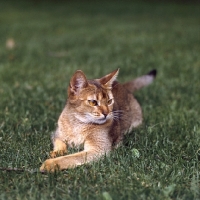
<point x="97" y="114"/>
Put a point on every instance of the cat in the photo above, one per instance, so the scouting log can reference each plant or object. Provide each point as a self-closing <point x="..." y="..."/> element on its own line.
<point x="98" y="114"/>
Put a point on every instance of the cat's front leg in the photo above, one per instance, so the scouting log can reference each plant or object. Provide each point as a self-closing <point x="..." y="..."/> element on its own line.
<point x="69" y="161"/>
<point x="59" y="149"/>
<point x="93" y="150"/>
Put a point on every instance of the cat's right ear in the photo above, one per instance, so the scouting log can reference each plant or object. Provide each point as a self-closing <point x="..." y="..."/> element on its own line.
<point x="77" y="82"/>
<point x="108" y="80"/>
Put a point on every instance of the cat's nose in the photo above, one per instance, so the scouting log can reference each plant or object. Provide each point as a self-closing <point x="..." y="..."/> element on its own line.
<point x="105" y="114"/>
<point x="104" y="111"/>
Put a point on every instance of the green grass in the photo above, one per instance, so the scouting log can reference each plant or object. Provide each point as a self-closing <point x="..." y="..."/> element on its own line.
<point x="55" y="39"/>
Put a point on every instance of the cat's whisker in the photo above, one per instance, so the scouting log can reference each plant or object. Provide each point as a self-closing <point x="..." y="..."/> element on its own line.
<point x="116" y="116"/>
<point x="118" y="113"/>
<point x="115" y="119"/>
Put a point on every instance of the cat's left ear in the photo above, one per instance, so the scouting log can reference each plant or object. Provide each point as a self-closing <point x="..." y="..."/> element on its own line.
<point x="108" y="80"/>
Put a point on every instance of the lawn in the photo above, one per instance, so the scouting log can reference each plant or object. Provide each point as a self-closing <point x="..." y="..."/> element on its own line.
<point x="160" y="159"/>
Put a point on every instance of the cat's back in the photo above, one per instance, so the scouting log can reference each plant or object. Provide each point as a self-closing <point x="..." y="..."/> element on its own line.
<point x="127" y="107"/>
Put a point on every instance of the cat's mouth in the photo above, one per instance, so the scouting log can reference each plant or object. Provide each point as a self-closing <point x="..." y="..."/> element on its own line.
<point x="98" y="119"/>
<point x="89" y="118"/>
<point x="101" y="120"/>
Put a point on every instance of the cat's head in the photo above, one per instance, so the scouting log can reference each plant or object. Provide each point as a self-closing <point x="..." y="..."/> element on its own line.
<point x="92" y="100"/>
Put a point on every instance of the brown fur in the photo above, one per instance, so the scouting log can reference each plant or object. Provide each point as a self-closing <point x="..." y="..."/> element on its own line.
<point x="97" y="114"/>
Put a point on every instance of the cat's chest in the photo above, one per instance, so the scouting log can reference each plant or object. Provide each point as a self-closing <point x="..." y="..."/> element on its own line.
<point x="74" y="135"/>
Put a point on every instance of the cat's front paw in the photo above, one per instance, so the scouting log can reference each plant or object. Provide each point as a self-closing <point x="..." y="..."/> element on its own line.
<point x="54" y="154"/>
<point x="49" y="165"/>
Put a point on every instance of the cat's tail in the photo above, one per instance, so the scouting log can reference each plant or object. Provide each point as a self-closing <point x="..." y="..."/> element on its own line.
<point x="140" y="82"/>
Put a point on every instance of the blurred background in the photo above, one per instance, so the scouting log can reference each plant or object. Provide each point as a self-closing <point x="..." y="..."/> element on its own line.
<point x="44" y="42"/>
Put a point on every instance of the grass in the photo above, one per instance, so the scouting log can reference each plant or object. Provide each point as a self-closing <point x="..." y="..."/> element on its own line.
<point x="159" y="160"/>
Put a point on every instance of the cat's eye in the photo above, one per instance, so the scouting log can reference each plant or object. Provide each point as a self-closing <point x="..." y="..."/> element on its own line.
<point x="93" y="102"/>
<point x="110" y="101"/>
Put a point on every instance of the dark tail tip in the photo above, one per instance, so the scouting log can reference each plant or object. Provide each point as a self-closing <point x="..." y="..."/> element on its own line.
<point x="153" y="73"/>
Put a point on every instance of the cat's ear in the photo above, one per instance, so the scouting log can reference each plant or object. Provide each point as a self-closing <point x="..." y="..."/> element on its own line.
<point x="108" y="80"/>
<point x="78" y="82"/>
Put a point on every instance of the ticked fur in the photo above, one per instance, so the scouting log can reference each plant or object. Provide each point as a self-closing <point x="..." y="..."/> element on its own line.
<point x="97" y="114"/>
